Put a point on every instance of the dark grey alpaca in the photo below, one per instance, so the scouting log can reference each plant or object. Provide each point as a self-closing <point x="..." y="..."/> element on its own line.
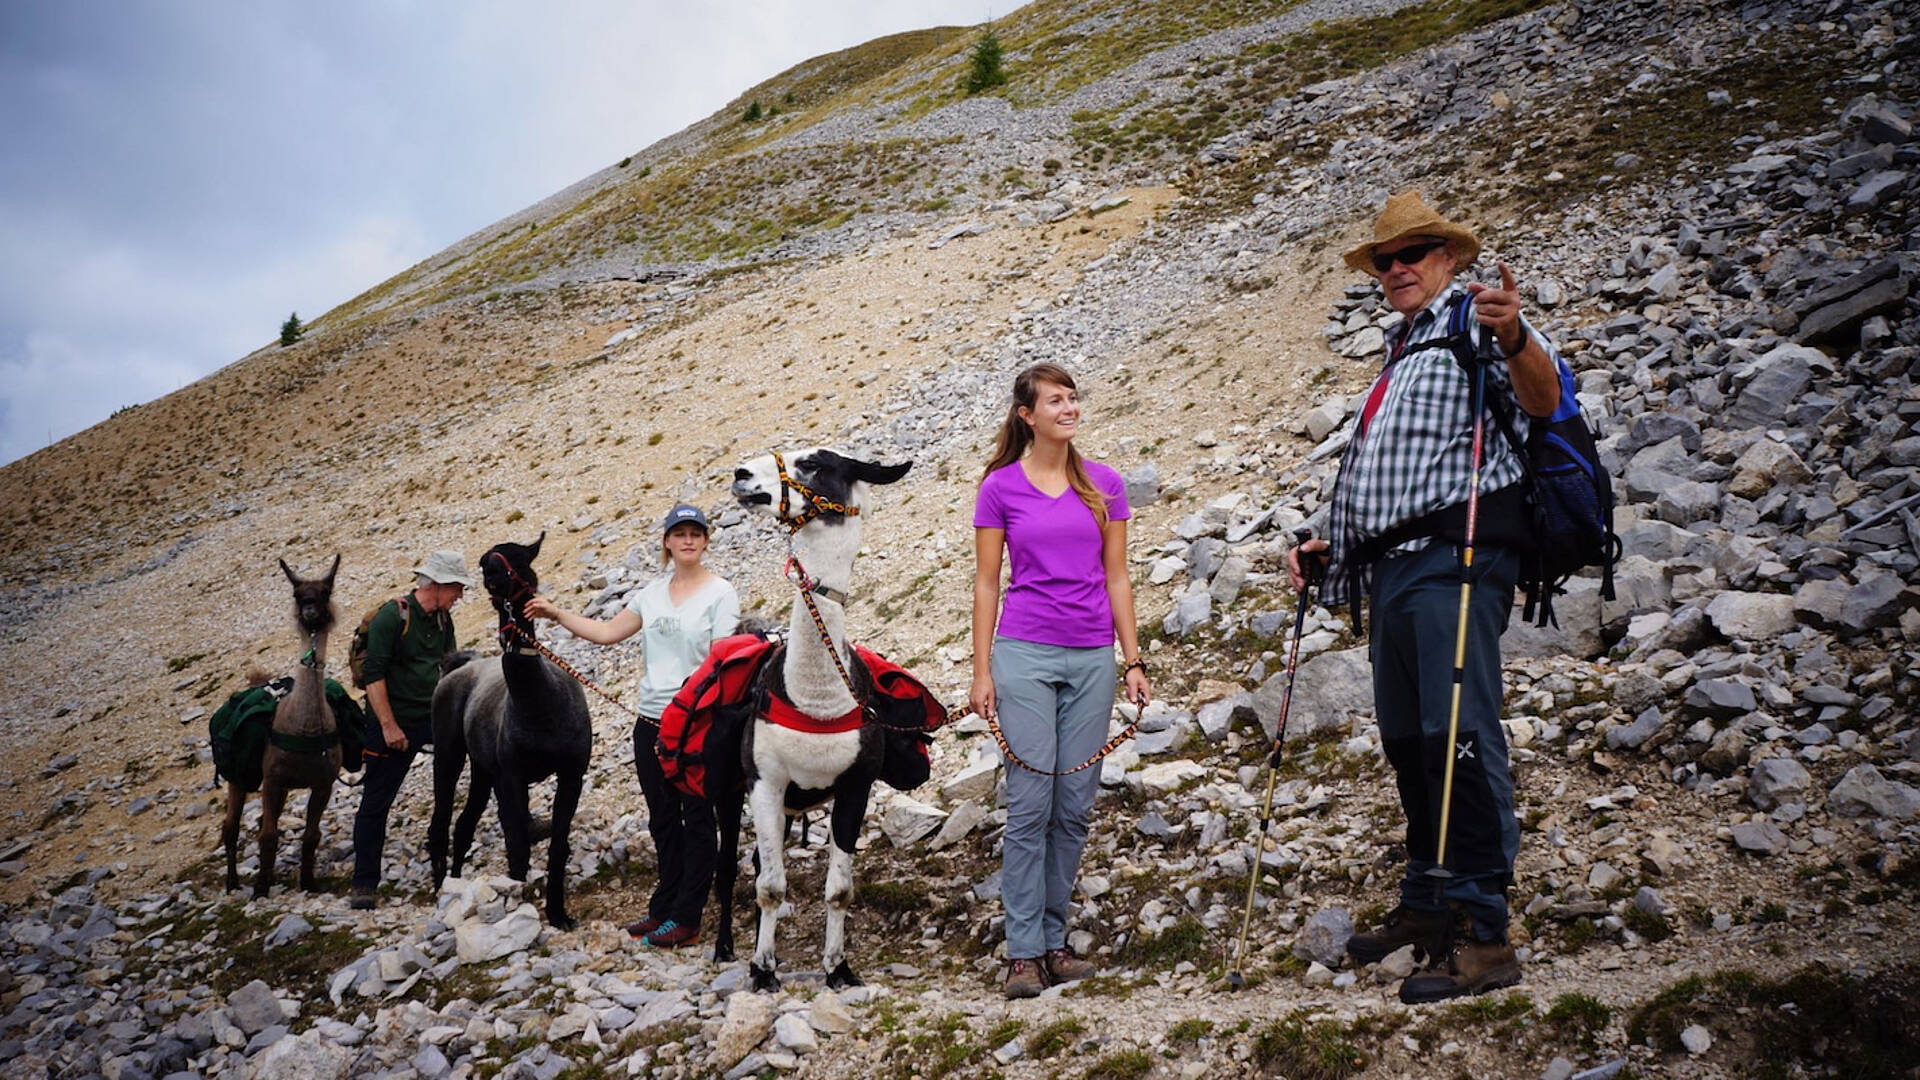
<point x="518" y="719"/>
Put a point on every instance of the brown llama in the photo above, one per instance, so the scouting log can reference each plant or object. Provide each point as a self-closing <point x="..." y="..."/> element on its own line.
<point x="303" y="749"/>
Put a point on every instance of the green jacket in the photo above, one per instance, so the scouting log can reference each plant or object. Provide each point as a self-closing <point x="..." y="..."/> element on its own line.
<point x="409" y="662"/>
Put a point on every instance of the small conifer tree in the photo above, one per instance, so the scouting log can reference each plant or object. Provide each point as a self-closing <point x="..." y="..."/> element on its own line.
<point x="987" y="72"/>
<point x="291" y="330"/>
<point x="752" y="115"/>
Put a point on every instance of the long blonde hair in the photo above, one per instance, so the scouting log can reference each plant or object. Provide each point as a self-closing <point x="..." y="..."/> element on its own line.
<point x="1016" y="435"/>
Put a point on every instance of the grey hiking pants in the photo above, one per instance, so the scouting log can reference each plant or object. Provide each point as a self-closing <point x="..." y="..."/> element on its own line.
<point x="1415" y="617"/>
<point x="1054" y="703"/>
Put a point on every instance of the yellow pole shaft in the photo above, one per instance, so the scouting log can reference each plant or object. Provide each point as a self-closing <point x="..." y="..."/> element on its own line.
<point x="1453" y="713"/>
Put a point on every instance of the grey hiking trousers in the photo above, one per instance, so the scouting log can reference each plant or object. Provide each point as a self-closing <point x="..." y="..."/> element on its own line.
<point x="1054" y="703"/>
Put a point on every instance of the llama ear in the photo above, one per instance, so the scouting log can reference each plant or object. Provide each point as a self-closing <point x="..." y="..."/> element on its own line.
<point x="288" y="570"/>
<point x="533" y="550"/>
<point x="333" y="570"/>
<point x="878" y="474"/>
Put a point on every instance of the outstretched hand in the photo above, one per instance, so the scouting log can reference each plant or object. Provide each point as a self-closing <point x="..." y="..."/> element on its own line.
<point x="1499" y="310"/>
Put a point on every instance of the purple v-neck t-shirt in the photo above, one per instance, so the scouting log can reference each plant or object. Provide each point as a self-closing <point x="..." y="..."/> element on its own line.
<point x="1057" y="594"/>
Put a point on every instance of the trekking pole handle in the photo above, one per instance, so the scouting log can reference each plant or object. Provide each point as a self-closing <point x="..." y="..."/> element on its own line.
<point x="1310" y="566"/>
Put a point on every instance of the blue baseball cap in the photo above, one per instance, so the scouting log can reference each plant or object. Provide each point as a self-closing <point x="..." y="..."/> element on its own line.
<point x="685" y="514"/>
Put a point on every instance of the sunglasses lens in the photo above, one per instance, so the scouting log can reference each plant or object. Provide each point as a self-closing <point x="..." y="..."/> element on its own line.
<point x="1408" y="256"/>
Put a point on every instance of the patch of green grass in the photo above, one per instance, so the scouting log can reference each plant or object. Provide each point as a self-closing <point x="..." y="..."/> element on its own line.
<point x="1054" y="1037"/>
<point x="945" y="1049"/>
<point x="1579" y="1016"/>
<point x="1817" y="1020"/>
<point x="1120" y="1065"/>
<point x="1300" y="1049"/>
<point x="1647" y="924"/>
<point x="893" y="897"/>
<point x="301" y="968"/>
<point x="1190" y="1030"/>
<point x="1186" y="939"/>
<point x="176" y="664"/>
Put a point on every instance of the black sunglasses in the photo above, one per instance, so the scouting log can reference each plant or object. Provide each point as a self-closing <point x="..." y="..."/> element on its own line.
<point x="1406" y="256"/>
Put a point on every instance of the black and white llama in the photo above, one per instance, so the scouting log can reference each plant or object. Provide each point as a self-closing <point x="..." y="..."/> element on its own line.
<point x="518" y="719"/>
<point x="814" y="747"/>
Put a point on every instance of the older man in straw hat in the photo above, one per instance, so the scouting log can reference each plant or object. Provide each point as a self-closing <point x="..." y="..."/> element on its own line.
<point x="1395" y="529"/>
<point x="406" y="637"/>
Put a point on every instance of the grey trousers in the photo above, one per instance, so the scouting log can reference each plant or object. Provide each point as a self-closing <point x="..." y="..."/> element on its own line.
<point x="1054" y="703"/>
<point x="1415" y="617"/>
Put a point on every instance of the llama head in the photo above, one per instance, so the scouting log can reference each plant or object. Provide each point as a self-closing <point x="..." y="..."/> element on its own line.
<point x="312" y="597"/>
<point x="814" y="478"/>
<point x="507" y="571"/>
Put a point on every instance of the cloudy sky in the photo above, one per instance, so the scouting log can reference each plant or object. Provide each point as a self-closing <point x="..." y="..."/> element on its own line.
<point x="175" y="177"/>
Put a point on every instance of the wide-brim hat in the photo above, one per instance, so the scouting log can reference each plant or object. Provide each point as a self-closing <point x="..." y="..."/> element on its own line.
<point x="1406" y="214"/>
<point x="685" y="514"/>
<point x="445" y="567"/>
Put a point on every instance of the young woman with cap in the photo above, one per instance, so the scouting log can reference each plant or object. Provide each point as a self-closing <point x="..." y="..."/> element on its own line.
<point x="1049" y="670"/>
<point x="682" y="614"/>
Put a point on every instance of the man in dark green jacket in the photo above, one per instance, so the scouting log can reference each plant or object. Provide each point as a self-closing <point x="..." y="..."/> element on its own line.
<point x="405" y="641"/>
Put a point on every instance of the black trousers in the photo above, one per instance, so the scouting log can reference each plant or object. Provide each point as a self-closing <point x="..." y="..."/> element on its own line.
<point x="379" y="786"/>
<point x="684" y="835"/>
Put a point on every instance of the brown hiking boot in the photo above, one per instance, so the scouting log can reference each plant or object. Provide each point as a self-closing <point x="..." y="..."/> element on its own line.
<point x="363" y="899"/>
<point x="1025" y="979"/>
<point x="644" y="927"/>
<point x="1062" y="966"/>
<point x="1404" y="926"/>
<point x="1474" y="968"/>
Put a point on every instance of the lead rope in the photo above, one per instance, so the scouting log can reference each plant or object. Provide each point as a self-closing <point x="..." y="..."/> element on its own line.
<point x="993" y="725"/>
<point x="515" y="631"/>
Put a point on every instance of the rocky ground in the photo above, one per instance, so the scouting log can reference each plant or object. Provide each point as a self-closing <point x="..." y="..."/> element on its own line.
<point x="1711" y="209"/>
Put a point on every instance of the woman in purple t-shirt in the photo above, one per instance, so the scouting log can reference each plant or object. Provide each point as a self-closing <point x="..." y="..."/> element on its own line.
<point x="1049" y="671"/>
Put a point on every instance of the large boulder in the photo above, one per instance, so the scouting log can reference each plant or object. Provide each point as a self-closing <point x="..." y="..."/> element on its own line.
<point x="1324" y="937"/>
<point x="303" y="1057"/>
<point x="1780" y="380"/>
<point x="1777" y="780"/>
<point x="1331" y="690"/>
<point x="1864" y="791"/>
<point x="1746" y="616"/>
<point x="1578" y="615"/>
<point x="749" y="1020"/>
<point x="255" y="1008"/>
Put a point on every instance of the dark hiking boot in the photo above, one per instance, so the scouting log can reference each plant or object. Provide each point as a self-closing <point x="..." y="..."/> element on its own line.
<point x="642" y="928"/>
<point x="673" y="935"/>
<point x="1064" y="967"/>
<point x="363" y="899"/>
<point x="1474" y="968"/>
<point x="1025" y="979"/>
<point x="1404" y="926"/>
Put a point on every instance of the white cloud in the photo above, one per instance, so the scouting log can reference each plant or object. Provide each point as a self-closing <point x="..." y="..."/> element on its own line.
<point x="179" y="177"/>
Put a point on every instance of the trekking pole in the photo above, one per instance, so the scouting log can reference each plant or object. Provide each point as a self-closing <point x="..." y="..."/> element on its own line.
<point x="1310" y="571"/>
<point x="1439" y="871"/>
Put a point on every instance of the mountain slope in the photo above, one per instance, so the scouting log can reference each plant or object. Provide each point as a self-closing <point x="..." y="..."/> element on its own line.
<point x="1157" y="200"/>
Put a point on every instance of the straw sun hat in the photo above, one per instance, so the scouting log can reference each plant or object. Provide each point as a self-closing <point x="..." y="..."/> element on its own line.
<point x="1407" y="215"/>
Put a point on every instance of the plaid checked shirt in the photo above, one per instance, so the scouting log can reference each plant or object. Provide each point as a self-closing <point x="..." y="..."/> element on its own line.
<point x="1416" y="454"/>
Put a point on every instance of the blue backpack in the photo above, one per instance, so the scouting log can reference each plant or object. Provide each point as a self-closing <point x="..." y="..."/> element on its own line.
<point x="1569" y="493"/>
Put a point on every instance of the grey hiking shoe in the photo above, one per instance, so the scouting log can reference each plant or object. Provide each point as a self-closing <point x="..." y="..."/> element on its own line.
<point x="363" y="899"/>
<point x="1474" y="967"/>
<point x="1403" y="926"/>
<point x="1025" y="979"/>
